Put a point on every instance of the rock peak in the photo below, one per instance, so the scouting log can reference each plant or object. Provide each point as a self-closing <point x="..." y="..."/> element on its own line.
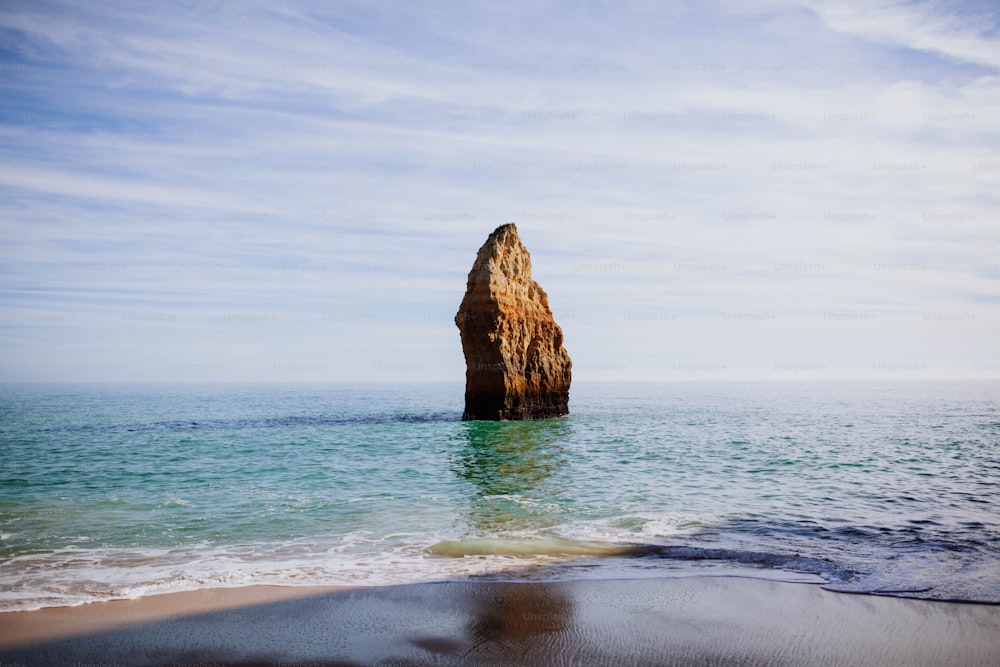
<point x="516" y="365"/>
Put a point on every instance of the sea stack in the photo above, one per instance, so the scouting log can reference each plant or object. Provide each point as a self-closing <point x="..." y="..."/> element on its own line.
<point x="516" y="365"/>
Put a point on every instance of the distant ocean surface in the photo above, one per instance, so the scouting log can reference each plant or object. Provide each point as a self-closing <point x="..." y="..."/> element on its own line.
<point x="115" y="491"/>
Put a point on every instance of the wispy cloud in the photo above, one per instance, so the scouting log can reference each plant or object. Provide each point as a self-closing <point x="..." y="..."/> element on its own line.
<point x="965" y="32"/>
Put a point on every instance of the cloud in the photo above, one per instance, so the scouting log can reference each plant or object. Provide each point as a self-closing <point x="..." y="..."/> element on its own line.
<point x="330" y="171"/>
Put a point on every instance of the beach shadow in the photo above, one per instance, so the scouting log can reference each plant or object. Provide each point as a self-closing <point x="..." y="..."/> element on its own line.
<point x="510" y="620"/>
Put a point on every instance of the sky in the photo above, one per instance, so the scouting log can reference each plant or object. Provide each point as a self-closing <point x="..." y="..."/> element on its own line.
<point x="206" y="191"/>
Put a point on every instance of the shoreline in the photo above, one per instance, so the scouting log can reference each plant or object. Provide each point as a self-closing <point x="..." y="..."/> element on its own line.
<point x="685" y="620"/>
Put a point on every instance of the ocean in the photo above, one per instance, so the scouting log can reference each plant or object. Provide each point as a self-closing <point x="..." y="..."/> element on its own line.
<point x="116" y="491"/>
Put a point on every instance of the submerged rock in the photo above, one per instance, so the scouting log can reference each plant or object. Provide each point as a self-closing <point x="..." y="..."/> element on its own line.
<point x="516" y="365"/>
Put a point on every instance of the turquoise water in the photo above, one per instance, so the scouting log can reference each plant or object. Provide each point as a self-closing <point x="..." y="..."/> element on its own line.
<point x="111" y="491"/>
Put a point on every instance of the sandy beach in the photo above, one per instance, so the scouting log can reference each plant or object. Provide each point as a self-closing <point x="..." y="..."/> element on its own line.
<point x="685" y="621"/>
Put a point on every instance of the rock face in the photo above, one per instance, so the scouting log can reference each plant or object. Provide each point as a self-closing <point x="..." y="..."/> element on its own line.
<point x="516" y="366"/>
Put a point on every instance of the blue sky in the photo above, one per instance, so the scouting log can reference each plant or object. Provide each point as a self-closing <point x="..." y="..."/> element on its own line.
<point x="295" y="191"/>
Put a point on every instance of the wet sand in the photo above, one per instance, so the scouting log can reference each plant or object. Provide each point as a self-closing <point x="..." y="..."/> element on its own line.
<point x="690" y="621"/>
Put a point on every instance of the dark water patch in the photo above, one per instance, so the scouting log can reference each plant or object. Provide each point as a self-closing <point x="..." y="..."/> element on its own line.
<point x="931" y="557"/>
<point x="888" y="576"/>
<point x="260" y="423"/>
<point x="779" y="561"/>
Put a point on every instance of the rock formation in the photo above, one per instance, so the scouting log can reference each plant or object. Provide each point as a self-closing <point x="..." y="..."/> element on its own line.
<point x="516" y="366"/>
